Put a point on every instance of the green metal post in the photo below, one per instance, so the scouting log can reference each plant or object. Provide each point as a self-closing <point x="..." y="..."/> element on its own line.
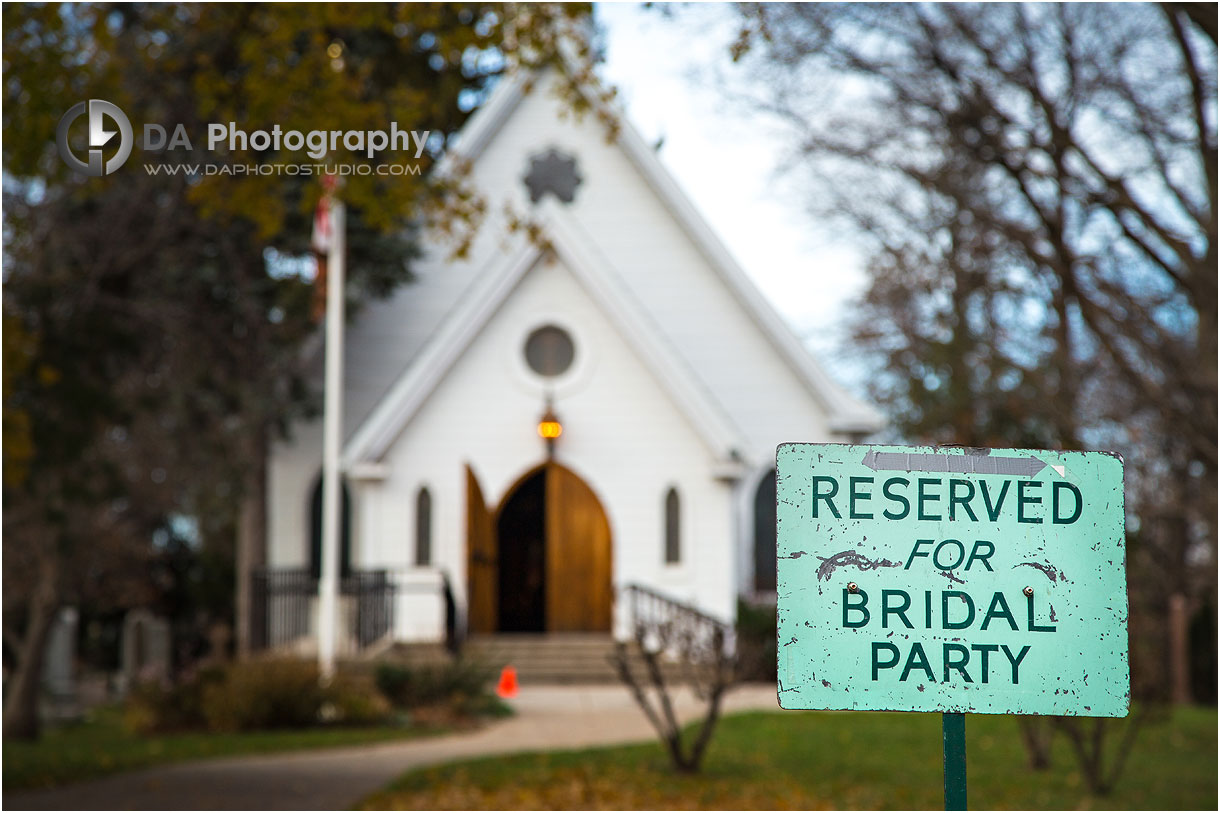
<point x="954" y="726"/>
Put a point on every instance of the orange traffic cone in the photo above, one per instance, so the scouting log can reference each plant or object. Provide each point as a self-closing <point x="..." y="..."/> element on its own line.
<point x="507" y="687"/>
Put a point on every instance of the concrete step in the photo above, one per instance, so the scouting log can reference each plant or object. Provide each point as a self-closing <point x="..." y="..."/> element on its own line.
<point x="538" y="659"/>
<point x="549" y="659"/>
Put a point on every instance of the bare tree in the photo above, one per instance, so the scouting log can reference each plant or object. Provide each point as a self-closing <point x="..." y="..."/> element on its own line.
<point x="675" y="646"/>
<point x="1088" y="739"/>
<point x="1079" y="142"/>
<point x="1036" y="186"/>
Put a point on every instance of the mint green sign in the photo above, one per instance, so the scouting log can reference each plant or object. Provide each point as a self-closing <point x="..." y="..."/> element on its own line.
<point x="951" y="580"/>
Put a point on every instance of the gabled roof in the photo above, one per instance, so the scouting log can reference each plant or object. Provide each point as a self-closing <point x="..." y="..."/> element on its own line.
<point x="847" y="414"/>
<point x="493" y="285"/>
<point x="409" y="334"/>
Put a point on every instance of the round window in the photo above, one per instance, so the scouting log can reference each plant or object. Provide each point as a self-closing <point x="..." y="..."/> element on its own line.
<point x="549" y="351"/>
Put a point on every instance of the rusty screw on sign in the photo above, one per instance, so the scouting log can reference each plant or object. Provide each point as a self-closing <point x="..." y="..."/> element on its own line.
<point x="853" y="587"/>
<point x="1028" y="591"/>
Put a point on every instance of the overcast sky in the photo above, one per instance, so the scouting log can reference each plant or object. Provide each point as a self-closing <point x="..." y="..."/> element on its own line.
<point x="731" y="167"/>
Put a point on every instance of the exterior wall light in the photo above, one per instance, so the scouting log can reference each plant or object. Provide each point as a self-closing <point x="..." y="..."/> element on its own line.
<point x="549" y="428"/>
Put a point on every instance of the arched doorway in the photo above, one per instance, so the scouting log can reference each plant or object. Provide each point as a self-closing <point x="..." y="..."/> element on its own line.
<point x="541" y="562"/>
<point x="521" y="531"/>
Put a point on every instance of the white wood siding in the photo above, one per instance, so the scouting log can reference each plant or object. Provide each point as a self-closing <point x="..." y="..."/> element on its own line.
<point x="621" y="434"/>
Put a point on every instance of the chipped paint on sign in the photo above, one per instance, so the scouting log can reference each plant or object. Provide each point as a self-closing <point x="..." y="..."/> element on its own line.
<point x="988" y="581"/>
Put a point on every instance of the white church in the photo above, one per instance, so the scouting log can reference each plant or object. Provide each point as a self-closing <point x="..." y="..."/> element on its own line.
<point x="533" y="428"/>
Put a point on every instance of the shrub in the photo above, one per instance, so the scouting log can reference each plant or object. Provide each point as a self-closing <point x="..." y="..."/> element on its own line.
<point x="144" y="712"/>
<point x="264" y="694"/>
<point x="155" y="709"/>
<point x="461" y="686"/>
<point x="254" y="696"/>
<point x="756" y="641"/>
<point x="355" y="700"/>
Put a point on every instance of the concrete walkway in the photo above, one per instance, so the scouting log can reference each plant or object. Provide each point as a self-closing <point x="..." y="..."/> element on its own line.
<point x="552" y="717"/>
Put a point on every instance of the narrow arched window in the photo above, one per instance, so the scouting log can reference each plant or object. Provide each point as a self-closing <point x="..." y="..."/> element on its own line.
<point x="764" y="534"/>
<point x="673" y="527"/>
<point x="315" y="530"/>
<point x="423" y="528"/>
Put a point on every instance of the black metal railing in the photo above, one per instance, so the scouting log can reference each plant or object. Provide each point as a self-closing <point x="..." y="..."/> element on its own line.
<point x="659" y="621"/>
<point x="373" y="592"/>
<point x="281" y="606"/>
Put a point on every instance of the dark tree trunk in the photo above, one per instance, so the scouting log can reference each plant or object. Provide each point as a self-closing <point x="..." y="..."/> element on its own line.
<point x="1088" y="737"/>
<point x="1036" y="737"/>
<point x="251" y="541"/>
<point x="21" y="705"/>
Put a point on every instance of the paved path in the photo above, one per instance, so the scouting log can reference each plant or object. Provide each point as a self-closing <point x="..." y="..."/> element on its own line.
<point x="547" y="718"/>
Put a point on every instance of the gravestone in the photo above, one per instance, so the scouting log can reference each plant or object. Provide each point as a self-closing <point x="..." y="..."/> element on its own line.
<point x="59" y="667"/>
<point x="145" y="649"/>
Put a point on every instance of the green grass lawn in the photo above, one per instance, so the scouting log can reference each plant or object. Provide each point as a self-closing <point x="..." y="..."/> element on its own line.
<point x="101" y="745"/>
<point x="813" y="760"/>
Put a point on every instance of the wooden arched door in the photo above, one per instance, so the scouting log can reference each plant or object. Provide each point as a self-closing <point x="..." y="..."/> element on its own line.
<point x="480" y="559"/>
<point x="578" y="555"/>
<point x="542" y="562"/>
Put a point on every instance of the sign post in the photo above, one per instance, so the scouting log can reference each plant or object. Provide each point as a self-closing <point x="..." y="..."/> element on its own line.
<point x="954" y="730"/>
<point x="951" y="580"/>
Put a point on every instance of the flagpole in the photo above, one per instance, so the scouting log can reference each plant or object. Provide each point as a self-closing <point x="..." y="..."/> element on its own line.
<point x="328" y="582"/>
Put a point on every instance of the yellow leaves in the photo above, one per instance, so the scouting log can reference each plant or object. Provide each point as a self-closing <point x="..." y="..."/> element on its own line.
<point x="604" y="787"/>
<point x="753" y="25"/>
<point x="225" y="197"/>
<point x="524" y="224"/>
<point x="303" y="67"/>
<point x="320" y="69"/>
<point x="48" y="376"/>
<point x="453" y="208"/>
<point x="18" y="447"/>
